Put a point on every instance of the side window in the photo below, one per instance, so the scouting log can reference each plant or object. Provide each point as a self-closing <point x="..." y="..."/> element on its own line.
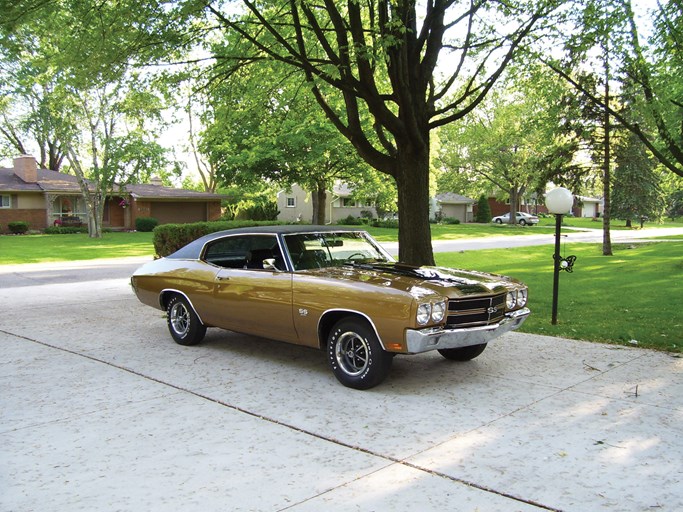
<point x="5" y="201"/>
<point x="243" y="251"/>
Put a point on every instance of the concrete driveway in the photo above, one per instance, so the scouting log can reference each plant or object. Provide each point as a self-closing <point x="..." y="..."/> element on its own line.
<point x="101" y="411"/>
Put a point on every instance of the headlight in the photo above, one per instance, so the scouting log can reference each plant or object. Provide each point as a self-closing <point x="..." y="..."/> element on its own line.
<point x="438" y="311"/>
<point x="424" y="311"/>
<point x="522" y="296"/>
<point x="511" y="301"/>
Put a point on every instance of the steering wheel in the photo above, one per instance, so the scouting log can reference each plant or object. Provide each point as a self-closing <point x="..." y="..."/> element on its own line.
<point x="362" y="256"/>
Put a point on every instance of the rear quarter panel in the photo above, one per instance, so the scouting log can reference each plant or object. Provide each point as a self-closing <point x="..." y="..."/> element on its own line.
<point x="193" y="278"/>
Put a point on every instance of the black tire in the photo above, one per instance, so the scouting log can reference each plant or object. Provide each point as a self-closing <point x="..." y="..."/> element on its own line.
<point x="183" y="322"/>
<point x="522" y="222"/>
<point x="356" y="356"/>
<point x="499" y="221"/>
<point x="464" y="353"/>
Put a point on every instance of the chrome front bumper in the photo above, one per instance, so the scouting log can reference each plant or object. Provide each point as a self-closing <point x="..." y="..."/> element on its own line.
<point x="424" y="340"/>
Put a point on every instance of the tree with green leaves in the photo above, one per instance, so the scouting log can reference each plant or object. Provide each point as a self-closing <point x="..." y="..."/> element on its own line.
<point x="514" y="141"/>
<point x="379" y="72"/>
<point x="76" y="98"/>
<point x="654" y="65"/>
<point x="636" y="192"/>
<point x="261" y="125"/>
<point x="483" y="210"/>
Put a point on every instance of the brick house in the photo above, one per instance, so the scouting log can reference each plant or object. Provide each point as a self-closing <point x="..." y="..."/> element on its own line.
<point x="44" y="198"/>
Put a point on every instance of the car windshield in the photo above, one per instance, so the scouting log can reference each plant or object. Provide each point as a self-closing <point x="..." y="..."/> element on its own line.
<point x="318" y="250"/>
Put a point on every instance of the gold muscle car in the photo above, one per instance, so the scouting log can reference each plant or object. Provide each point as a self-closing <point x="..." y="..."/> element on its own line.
<point x="332" y="288"/>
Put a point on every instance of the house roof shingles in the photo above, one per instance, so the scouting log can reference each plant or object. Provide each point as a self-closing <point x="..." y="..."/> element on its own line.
<point x="453" y="198"/>
<point x="59" y="182"/>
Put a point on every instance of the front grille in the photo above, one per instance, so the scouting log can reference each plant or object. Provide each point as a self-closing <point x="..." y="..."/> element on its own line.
<point x="470" y="312"/>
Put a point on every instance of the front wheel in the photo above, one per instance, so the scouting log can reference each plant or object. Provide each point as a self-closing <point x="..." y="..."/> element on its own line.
<point x="355" y="355"/>
<point x="183" y="323"/>
<point x="463" y="353"/>
<point x="522" y="222"/>
<point x="499" y="221"/>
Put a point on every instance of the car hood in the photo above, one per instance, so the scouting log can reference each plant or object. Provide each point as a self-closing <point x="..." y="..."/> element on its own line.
<point x="421" y="282"/>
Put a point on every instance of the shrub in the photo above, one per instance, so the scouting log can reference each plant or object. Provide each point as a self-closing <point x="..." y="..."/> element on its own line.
<point x="168" y="238"/>
<point x="69" y="230"/>
<point x="350" y="221"/>
<point x="483" y="210"/>
<point x="145" y="224"/>
<point x="450" y="220"/>
<point x="18" y="227"/>
<point x="388" y="223"/>
<point x="262" y="211"/>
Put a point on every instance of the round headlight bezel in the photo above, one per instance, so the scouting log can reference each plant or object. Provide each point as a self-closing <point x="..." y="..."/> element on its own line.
<point x="511" y="300"/>
<point x="522" y="297"/>
<point x="424" y="313"/>
<point x="439" y="311"/>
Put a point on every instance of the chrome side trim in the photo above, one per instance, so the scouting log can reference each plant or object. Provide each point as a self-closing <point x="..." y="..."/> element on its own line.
<point x="424" y="340"/>
<point x="173" y="290"/>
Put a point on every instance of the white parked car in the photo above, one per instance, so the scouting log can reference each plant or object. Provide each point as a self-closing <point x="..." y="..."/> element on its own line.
<point x="522" y="219"/>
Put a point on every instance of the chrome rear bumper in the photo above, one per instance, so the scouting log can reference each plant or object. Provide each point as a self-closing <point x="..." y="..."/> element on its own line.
<point x="424" y="340"/>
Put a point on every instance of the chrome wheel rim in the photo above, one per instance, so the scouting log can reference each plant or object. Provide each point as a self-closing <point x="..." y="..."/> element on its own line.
<point x="352" y="353"/>
<point x="180" y="319"/>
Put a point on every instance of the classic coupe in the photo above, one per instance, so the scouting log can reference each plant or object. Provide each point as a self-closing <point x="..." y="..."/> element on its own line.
<point x="332" y="288"/>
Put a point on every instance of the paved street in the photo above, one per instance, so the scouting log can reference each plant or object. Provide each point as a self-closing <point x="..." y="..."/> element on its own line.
<point x="101" y="411"/>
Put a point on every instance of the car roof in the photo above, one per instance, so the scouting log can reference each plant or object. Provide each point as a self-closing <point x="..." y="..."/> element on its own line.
<point x="194" y="248"/>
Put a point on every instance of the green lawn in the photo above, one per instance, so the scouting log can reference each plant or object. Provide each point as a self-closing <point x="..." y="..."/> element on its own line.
<point x="44" y="248"/>
<point x="582" y="222"/>
<point x="460" y="231"/>
<point x="633" y="295"/>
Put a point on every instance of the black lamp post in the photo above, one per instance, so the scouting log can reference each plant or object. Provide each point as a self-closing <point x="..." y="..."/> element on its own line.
<point x="559" y="201"/>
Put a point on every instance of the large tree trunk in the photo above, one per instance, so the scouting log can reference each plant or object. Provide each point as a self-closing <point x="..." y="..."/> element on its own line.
<point x="319" y="202"/>
<point x="414" y="232"/>
<point x="514" y="205"/>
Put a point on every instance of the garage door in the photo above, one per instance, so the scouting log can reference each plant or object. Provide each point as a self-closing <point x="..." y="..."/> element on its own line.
<point x="178" y="213"/>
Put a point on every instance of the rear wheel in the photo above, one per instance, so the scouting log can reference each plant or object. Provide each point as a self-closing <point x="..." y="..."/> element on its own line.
<point x="355" y="355"/>
<point x="183" y="323"/>
<point x="463" y="353"/>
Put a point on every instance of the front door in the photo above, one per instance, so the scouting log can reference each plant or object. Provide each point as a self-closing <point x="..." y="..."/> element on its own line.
<point x="248" y="298"/>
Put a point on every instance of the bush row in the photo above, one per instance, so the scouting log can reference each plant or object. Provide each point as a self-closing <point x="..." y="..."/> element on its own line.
<point x="168" y="238"/>
<point x="366" y="221"/>
<point x="61" y="230"/>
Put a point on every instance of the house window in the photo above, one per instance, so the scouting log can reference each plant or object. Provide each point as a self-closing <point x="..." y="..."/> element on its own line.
<point x="5" y="201"/>
<point x="348" y="202"/>
<point x="291" y="202"/>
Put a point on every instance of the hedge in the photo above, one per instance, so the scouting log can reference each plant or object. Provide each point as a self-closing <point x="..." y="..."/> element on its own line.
<point x="60" y="230"/>
<point x="168" y="238"/>
<point x="18" y="227"/>
<point x="145" y="224"/>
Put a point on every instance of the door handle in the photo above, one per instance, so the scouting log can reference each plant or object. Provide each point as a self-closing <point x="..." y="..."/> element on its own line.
<point x="223" y="278"/>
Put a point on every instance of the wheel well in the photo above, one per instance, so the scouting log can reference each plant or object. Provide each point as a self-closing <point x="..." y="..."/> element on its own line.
<point x="330" y="318"/>
<point x="166" y="296"/>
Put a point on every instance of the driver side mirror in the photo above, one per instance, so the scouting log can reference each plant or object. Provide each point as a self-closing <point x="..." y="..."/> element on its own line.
<point x="269" y="264"/>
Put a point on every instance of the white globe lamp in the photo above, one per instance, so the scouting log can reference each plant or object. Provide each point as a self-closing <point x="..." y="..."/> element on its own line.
<point x="559" y="201"/>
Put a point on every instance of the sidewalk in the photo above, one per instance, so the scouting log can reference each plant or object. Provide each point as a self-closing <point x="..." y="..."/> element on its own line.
<point x="100" y="410"/>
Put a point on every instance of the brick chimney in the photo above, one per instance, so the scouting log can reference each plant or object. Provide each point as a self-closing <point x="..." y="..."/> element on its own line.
<point x="26" y="167"/>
